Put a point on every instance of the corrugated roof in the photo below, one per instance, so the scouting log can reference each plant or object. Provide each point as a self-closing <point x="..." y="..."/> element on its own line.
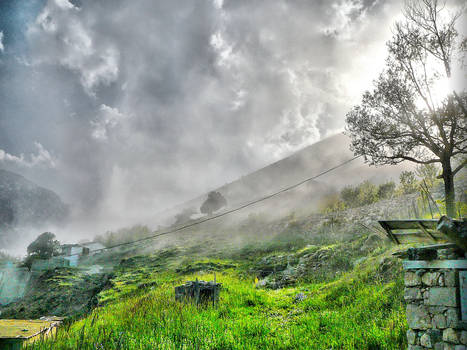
<point x="23" y="329"/>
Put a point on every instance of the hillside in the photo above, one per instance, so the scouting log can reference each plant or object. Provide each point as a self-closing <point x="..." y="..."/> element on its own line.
<point x="360" y="309"/>
<point x="307" y="286"/>
<point x="327" y="281"/>
<point x="23" y="203"/>
<point x="303" y="164"/>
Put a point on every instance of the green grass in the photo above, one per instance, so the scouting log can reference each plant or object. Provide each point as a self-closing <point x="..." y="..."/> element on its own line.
<point x="356" y="311"/>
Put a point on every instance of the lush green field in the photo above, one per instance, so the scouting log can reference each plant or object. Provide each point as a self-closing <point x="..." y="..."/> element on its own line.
<point x="358" y="310"/>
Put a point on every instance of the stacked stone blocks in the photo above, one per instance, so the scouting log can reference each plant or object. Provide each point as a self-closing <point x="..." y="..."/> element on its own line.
<point x="433" y="310"/>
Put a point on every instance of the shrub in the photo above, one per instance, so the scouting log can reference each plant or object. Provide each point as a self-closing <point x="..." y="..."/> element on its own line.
<point x="367" y="193"/>
<point x="386" y="190"/>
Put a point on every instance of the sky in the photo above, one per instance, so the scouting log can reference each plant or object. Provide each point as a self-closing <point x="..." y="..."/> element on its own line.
<point x="134" y="106"/>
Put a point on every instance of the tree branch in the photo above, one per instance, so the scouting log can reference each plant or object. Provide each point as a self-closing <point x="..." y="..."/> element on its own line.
<point x="431" y="161"/>
<point x="461" y="165"/>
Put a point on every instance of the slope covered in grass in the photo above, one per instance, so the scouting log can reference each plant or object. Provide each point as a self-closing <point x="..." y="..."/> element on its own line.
<point x="360" y="309"/>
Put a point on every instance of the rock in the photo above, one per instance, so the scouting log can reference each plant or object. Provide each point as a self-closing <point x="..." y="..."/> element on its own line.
<point x="439" y="321"/>
<point x="435" y="310"/>
<point x="450" y="336"/>
<point x="411" y="336"/>
<point x="442" y="296"/>
<point x="430" y="278"/>
<point x="460" y="347"/>
<point x="425" y="340"/>
<point x="452" y="318"/>
<point x="418" y="317"/>
<point x="463" y="338"/>
<point x="412" y="294"/>
<point x="441" y="281"/>
<point x="411" y="279"/>
<point x="450" y="279"/>
<point x="415" y="347"/>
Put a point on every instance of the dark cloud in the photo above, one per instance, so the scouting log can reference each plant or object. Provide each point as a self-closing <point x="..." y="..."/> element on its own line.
<point x="145" y="104"/>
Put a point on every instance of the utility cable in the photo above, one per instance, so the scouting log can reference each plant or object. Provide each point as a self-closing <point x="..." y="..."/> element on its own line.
<point x="226" y="212"/>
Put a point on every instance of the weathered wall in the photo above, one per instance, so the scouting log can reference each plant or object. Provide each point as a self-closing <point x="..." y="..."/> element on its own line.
<point x="47" y="264"/>
<point x="13" y="282"/>
<point x="433" y="309"/>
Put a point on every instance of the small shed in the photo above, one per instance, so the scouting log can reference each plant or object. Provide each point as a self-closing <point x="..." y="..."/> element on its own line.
<point x="435" y="281"/>
<point x="15" y="333"/>
<point x="200" y="292"/>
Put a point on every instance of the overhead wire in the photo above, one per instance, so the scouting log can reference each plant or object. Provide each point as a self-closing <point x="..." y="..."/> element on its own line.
<point x="227" y="212"/>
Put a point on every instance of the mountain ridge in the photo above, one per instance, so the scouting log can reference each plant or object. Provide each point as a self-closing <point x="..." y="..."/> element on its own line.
<point x="300" y="165"/>
<point x="24" y="203"/>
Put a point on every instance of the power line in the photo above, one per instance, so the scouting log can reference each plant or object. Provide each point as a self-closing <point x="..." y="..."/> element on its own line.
<point x="228" y="211"/>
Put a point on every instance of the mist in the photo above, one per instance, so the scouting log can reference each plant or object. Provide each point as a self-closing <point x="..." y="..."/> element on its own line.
<point x="127" y="109"/>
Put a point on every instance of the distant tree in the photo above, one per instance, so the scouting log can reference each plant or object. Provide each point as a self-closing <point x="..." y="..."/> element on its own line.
<point x="43" y="247"/>
<point x="408" y="182"/>
<point x="349" y="195"/>
<point x="427" y="173"/>
<point x="386" y="190"/>
<point x="363" y="194"/>
<point x="332" y="203"/>
<point x="367" y="193"/>
<point x="214" y="202"/>
<point x="406" y="116"/>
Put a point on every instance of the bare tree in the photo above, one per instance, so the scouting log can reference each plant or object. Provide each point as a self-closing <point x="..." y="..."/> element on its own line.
<point x="404" y="118"/>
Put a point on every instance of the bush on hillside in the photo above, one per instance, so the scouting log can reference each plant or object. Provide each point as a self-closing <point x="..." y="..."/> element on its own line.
<point x="365" y="193"/>
<point x="386" y="190"/>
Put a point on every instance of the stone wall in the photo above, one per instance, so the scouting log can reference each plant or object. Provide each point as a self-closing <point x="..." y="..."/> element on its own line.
<point x="198" y="291"/>
<point x="433" y="309"/>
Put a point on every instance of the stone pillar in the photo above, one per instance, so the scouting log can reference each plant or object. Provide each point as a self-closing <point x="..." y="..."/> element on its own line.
<point x="433" y="296"/>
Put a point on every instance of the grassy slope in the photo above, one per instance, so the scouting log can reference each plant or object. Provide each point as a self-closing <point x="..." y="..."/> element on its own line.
<point x="360" y="309"/>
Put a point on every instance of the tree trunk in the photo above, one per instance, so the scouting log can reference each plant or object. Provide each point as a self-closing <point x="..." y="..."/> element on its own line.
<point x="448" y="178"/>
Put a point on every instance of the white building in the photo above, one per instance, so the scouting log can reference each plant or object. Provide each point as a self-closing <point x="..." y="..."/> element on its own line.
<point x="73" y="252"/>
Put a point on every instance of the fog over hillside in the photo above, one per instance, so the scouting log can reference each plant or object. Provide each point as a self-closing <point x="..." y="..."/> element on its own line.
<point x="127" y="108"/>
<point x="26" y="208"/>
<point x="303" y="164"/>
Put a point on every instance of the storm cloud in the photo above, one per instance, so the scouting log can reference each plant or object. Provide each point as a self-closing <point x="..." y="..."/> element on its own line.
<point x="133" y="106"/>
